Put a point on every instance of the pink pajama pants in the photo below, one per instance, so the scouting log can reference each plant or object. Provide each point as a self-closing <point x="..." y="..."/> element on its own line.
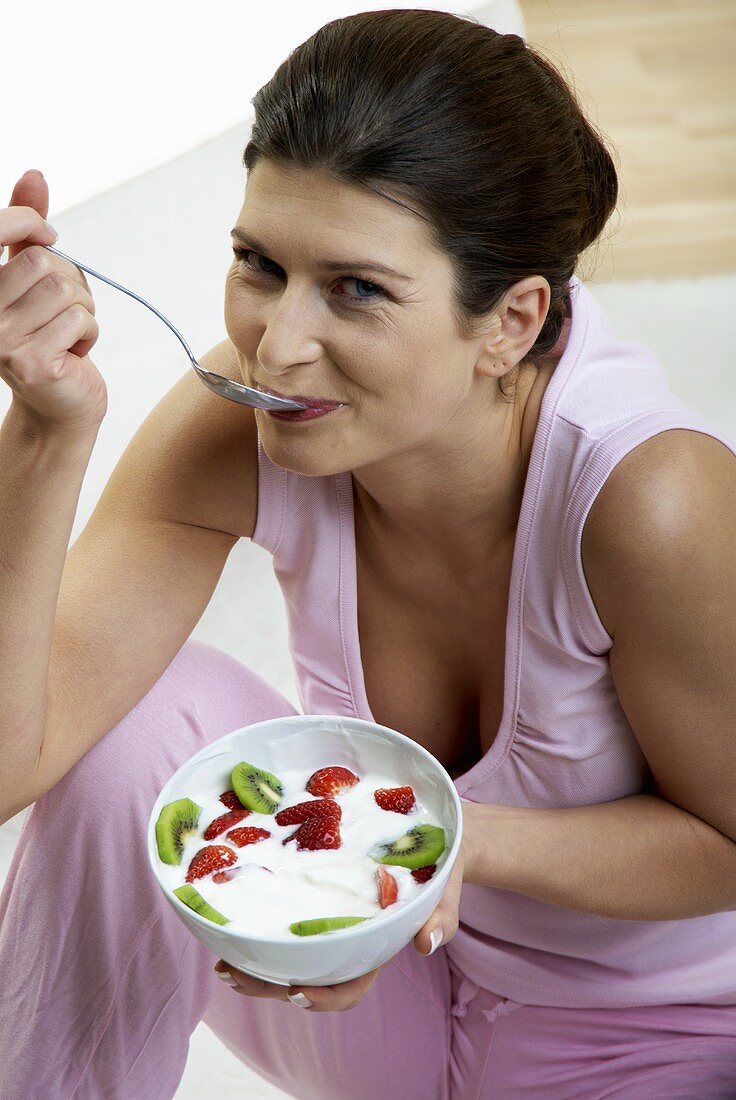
<point x="101" y="985"/>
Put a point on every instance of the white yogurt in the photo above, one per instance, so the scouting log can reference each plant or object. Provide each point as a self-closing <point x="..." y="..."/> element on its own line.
<point x="305" y="884"/>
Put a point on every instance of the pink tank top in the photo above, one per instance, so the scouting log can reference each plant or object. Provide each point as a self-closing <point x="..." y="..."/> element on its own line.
<point x="564" y="739"/>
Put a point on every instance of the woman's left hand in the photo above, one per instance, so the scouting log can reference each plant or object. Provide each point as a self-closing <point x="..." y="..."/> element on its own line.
<point x="338" y="998"/>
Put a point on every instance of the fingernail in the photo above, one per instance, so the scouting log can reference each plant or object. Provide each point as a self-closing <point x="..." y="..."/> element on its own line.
<point x="51" y="229"/>
<point x="435" y="938"/>
<point x="300" y="999"/>
<point x="227" y="977"/>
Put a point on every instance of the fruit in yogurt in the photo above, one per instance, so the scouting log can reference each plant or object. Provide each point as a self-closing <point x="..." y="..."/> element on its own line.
<point x="316" y="807"/>
<point x="388" y="887"/>
<point x="399" y="799"/>
<point x="258" y="790"/>
<point x="323" y="924"/>
<point x="424" y="874"/>
<point x="195" y="901"/>
<point x="422" y="845"/>
<point x="212" y="858"/>
<point x="234" y="872"/>
<point x="176" y="822"/>
<point x="317" y="833"/>
<point x="231" y="800"/>
<point x="330" y="781"/>
<point x="224" y="822"/>
<point x="227" y="875"/>
<point x="249" y="834"/>
<point x="311" y="814"/>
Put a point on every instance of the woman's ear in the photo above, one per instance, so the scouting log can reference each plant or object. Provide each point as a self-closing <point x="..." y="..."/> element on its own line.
<point x="520" y="320"/>
<point x="491" y="345"/>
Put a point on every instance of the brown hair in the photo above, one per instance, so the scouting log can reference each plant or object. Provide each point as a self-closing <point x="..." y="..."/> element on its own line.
<point x="472" y="130"/>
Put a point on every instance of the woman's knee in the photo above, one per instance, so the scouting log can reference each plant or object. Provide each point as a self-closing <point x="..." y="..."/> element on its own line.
<point x="203" y="694"/>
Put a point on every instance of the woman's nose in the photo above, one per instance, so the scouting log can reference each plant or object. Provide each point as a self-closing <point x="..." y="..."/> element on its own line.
<point x="289" y="338"/>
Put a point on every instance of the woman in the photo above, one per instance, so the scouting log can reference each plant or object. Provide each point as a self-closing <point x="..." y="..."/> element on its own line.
<point x="502" y="535"/>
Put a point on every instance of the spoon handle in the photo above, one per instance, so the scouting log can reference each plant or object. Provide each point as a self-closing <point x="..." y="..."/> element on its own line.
<point x="91" y="271"/>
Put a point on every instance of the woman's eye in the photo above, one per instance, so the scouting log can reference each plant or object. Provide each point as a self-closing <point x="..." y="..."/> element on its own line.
<point x="242" y="253"/>
<point x="375" y="290"/>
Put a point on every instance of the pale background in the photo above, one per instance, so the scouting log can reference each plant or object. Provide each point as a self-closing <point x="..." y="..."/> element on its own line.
<point x="139" y="128"/>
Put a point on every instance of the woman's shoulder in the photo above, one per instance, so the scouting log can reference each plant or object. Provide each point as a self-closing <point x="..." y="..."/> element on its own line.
<point x="667" y="488"/>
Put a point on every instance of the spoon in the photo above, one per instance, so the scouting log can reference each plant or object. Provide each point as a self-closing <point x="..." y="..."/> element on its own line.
<point x="233" y="391"/>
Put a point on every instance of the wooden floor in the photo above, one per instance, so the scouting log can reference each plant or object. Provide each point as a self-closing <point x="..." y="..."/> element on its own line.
<point x="657" y="78"/>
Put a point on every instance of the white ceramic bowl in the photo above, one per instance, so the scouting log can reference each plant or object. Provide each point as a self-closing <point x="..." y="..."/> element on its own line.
<point x="309" y="742"/>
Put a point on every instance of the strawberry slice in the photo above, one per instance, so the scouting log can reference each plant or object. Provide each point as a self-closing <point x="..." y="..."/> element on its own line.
<point x="231" y="800"/>
<point x="209" y="859"/>
<point x="329" y="781"/>
<point x="224" y="822"/>
<point x="302" y="811"/>
<point x="388" y="888"/>
<point x="235" y="872"/>
<point x="227" y="876"/>
<point x="423" y="874"/>
<point x="249" y="834"/>
<point x="399" y="799"/>
<point x="317" y="832"/>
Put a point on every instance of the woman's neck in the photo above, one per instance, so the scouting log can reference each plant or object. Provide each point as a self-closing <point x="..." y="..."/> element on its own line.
<point x="462" y="492"/>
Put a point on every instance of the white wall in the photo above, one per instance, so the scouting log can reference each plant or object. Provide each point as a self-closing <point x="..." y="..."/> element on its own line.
<point x="95" y="95"/>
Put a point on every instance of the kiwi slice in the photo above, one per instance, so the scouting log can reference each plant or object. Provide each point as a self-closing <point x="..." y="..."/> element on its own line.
<point x="258" y="790"/>
<point x="322" y="924"/>
<point x="419" y="847"/>
<point x="195" y="901"/>
<point x="177" y="821"/>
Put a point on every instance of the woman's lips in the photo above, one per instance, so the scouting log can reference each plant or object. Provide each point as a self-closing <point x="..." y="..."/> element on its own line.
<point x="323" y="403"/>
<point x="302" y="415"/>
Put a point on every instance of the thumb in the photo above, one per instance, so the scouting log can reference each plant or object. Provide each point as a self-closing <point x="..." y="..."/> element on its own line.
<point x="446" y="917"/>
<point x="30" y="190"/>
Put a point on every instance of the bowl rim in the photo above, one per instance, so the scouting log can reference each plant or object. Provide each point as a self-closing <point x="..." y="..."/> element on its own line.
<point x="361" y="928"/>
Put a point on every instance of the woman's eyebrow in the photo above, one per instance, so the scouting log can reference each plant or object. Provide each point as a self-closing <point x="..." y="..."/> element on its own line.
<point x="326" y="265"/>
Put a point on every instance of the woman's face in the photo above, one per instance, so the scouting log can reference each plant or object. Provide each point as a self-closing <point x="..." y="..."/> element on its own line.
<point x="384" y="345"/>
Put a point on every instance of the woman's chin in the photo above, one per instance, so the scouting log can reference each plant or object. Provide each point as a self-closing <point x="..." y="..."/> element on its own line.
<point x="301" y="453"/>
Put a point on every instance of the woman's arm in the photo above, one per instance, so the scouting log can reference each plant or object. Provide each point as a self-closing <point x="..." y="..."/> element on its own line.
<point x="638" y="858"/>
<point x="87" y="631"/>
<point x="659" y="554"/>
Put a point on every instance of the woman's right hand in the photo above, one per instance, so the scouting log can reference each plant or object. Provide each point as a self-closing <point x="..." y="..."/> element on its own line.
<point x="47" y="322"/>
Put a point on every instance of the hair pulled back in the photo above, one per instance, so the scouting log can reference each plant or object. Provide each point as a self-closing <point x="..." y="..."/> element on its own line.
<point x="472" y="130"/>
